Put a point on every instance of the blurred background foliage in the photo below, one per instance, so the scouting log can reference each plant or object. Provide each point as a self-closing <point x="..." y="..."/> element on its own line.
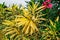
<point x="55" y="11"/>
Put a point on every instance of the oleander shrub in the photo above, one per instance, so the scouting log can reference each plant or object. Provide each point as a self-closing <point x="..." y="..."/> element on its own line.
<point x="36" y="21"/>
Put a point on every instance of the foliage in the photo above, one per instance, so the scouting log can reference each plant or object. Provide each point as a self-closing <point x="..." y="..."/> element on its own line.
<point x="55" y="10"/>
<point x="33" y="22"/>
<point x="27" y="21"/>
<point x="51" y="30"/>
